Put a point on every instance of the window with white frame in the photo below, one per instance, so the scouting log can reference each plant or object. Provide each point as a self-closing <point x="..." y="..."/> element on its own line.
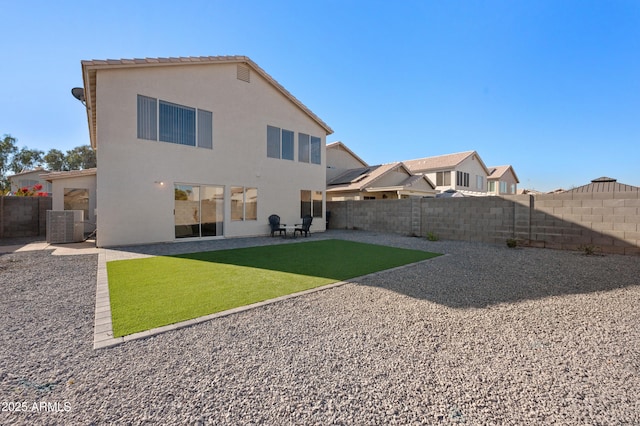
<point x="492" y="186"/>
<point x="279" y="143"/>
<point x="503" y="187"/>
<point x="480" y="182"/>
<point x="244" y="203"/>
<point x="462" y="179"/>
<point x="443" y="178"/>
<point x="164" y="121"/>
<point x="311" y="203"/>
<point x="309" y="149"/>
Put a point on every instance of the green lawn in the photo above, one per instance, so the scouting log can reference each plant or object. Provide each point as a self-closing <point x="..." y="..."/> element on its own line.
<point x="152" y="292"/>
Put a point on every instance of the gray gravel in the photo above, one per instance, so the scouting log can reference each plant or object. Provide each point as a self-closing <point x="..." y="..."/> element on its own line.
<point x="484" y="335"/>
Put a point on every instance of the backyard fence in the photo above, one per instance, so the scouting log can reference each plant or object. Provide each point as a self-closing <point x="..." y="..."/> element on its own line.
<point x="23" y="216"/>
<point x="609" y="222"/>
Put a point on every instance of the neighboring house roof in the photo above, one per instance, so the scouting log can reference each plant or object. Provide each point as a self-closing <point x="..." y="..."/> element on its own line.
<point x="364" y="178"/>
<point x="498" y="171"/>
<point x="51" y="176"/>
<point x="26" y="172"/>
<point x="340" y="145"/>
<point x="605" y="184"/>
<point x="442" y="162"/>
<point x="90" y="68"/>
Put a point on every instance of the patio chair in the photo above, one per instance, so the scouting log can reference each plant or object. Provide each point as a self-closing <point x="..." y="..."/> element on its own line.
<point x="304" y="226"/>
<point x="274" y="223"/>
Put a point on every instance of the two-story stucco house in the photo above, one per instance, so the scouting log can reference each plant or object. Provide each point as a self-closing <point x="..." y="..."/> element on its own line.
<point x="199" y="147"/>
<point x="502" y="181"/>
<point x="464" y="172"/>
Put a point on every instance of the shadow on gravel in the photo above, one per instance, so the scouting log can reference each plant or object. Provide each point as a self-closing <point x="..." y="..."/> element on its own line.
<point x="479" y="278"/>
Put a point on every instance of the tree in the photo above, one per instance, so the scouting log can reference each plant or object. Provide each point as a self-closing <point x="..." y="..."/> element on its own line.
<point x="56" y="160"/>
<point x="7" y="149"/>
<point x="26" y="159"/>
<point x="81" y="157"/>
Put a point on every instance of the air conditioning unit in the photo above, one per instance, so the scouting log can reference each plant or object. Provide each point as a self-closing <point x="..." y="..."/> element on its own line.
<point x="65" y="226"/>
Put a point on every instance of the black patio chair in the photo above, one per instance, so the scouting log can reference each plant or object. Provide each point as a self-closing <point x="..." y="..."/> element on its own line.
<point x="274" y="223"/>
<point x="304" y="226"/>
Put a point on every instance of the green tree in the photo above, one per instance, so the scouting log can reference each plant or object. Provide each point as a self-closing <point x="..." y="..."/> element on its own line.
<point x="26" y="159"/>
<point x="8" y="148"/>
<point x="81" y="157"/>
<point x="56" y="160"/>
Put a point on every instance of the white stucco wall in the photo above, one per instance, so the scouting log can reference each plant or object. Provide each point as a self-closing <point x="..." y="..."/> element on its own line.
<point x="77" y="182"/>
<point x="472" y="166"/>
<point x="134" y="208"/>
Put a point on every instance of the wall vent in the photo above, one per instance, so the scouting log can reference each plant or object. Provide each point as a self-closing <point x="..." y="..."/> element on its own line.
<point x="65" y="226"/>
<point x="244" y="73"/>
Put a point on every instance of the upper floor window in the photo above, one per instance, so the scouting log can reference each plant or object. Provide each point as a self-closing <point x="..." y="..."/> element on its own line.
<point x="480" y="182"/>
<point x="492" y="186"/>
<point x="309" y="149"/>
<point x="279" y="143"/>
<point x="443" y="178"/>
<point x="169" y="122"/>
<point x="503" y="187"/>
<point x="462" y="179"/>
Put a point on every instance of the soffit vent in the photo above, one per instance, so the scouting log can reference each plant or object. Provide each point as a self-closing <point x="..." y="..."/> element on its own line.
<point x="244" y="73"/>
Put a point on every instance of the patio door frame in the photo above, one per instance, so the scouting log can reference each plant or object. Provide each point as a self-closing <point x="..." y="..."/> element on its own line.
<point x="218" y="212"/>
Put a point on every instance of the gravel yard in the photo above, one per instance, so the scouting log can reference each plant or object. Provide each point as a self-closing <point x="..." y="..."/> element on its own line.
<point x="483" y="335"/>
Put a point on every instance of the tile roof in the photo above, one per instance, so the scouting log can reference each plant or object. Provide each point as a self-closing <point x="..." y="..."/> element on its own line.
<point x="441" y="162"/>
<point x="496" y="172"/>
<point x="69" y="174"/>
<point x="90" y="68"/>
<point x="365" y="177"/>
<point x="26" y="172"/>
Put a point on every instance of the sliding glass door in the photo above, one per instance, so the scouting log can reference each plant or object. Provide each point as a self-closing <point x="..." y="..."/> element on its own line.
<point x="199" y="210"/>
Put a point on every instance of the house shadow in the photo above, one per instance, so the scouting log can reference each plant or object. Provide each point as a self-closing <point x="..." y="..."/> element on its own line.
<point x="480" y="276"/>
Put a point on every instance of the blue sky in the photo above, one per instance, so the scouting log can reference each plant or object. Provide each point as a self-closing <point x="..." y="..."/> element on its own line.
<point x="550" y="87"/>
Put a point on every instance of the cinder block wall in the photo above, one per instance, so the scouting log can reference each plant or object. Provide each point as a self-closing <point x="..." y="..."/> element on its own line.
<point x="23" y="216"/>
<point x="608" y="221"/>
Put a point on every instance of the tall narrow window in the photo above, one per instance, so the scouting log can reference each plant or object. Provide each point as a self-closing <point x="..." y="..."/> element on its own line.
<point x="251" y="204"/>
<point x="273" y="142"/>
<point x="303" y="148"/>
<point x="315" y="150"/>
<point x="177" y="124"/>
<point x="305" y="203"/>
<point x="317" y="204"/>
<point x="462" y="179"/>
<point x="237" y="203"/>
<point x="492" y="186"/>
<point x="287" y="144"/>
<point x="147" y="118"/>
<point x="205" y="129"/>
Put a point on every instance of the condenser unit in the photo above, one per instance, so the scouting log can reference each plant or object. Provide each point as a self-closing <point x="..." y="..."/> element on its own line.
<point x="65" y="226"/>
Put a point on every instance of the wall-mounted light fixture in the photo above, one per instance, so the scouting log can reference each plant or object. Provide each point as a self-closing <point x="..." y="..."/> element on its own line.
<point x="159" y="182"/>
<point x="78" y="93"/>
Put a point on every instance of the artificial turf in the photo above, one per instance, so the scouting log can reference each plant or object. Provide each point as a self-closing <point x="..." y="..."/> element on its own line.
<point x="152" y="292"/>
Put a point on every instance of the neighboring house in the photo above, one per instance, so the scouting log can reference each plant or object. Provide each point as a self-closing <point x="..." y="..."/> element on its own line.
<point x="199" y="147"/>
<point x="502" y="181"/>
<point x="75" y="190"/>
<point x="385" y="181"/>
<point x="464" y="172"/>
<point x="340" y="159"/>
<point x="29" y="178"/>
<point x="351" y="178"/>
